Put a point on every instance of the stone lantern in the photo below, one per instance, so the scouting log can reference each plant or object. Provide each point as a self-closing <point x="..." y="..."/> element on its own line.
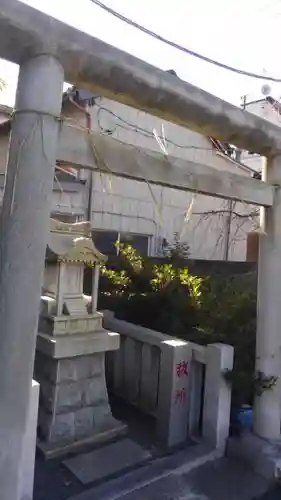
<point x="71" y="344"/>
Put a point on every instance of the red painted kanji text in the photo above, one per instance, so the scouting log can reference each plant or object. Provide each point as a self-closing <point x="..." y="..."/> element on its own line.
<point x="182" y="369"/>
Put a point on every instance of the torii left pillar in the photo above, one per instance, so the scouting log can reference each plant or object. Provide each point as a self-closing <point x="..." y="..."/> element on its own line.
<point x="24" y="228"/>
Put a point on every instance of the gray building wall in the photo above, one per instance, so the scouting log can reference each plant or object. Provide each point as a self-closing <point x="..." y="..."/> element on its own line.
<point x="128" y="208"/>
<point x="135" y="207"/>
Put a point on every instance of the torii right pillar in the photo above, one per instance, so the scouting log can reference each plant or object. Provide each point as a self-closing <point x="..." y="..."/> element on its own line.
<point x="267" y="407"/>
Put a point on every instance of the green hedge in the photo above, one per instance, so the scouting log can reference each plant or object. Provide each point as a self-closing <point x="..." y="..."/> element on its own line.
<point x="171" y="300"/>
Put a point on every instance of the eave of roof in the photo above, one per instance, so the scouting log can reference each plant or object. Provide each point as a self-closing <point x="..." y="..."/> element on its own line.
<point x="5" y="126"/>
<point x="7" y="110"/>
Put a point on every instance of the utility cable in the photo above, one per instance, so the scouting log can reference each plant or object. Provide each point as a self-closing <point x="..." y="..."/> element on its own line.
<point x="181" y="47"/>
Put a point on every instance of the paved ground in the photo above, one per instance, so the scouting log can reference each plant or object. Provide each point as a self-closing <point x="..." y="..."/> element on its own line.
<point x="273" y="493"/>
<point x="53" y="480"/>
<point x="223" y="479"/>
<point x="166" y="478"/>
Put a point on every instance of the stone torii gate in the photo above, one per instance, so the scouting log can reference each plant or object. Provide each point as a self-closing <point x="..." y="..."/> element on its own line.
<point x="49" y="52"/>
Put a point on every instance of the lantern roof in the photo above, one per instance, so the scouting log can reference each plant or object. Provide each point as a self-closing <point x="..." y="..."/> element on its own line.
<point x="73" y="244"/>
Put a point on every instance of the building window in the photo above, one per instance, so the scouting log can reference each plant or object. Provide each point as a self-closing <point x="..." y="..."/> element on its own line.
<point x="68" y="218"/>
<point x="105" y="241"/>
<point x="138" y="241"/>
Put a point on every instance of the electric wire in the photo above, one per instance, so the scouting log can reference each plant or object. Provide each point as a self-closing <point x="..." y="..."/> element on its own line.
<point x="177" y="46"/>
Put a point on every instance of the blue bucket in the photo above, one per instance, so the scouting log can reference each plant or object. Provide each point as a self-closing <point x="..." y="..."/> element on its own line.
<point x="245" y="417"/>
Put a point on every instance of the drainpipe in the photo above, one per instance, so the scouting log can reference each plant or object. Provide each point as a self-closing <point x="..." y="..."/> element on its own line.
<point x="157" y="233"/>
<point x="91" y="196"/>
<point x="227" y="230"/>
<point x="230" y="206"/>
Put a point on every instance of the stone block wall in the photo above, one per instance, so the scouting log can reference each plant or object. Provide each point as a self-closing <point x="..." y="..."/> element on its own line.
<point x="73" y="396"/>
<point x="29" y="446"/>
<point x="164" y="376"/>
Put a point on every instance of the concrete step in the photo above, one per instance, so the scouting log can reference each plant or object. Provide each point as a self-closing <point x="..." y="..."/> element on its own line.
<point x="105" y="462"/>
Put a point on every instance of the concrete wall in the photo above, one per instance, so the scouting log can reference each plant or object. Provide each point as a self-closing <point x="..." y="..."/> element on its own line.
<point x="134" y="207"/>
<point x="265" y="110"/>
<point x="69" y="198"/>
<point x="29" y="445"/>
<point x="130" y="206"/>
<point x="164" y="376"/>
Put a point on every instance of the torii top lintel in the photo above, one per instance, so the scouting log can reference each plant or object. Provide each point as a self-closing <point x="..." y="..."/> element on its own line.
<point x="103" y="69"/>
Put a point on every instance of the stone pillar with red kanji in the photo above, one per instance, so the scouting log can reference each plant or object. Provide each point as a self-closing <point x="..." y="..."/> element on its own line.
<point x="174" y="392"/>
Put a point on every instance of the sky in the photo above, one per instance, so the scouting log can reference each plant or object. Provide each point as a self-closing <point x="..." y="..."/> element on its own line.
<point x="246" y="34"/>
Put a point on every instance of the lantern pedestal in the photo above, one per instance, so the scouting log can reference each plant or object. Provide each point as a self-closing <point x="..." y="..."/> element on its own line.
<point x="71" y="347"/>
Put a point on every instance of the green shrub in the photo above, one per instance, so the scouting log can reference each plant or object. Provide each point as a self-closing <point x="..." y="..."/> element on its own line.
<point x="204" y="310"/>
<point x="228" y="315"/>
<point x="160" y="297"/>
